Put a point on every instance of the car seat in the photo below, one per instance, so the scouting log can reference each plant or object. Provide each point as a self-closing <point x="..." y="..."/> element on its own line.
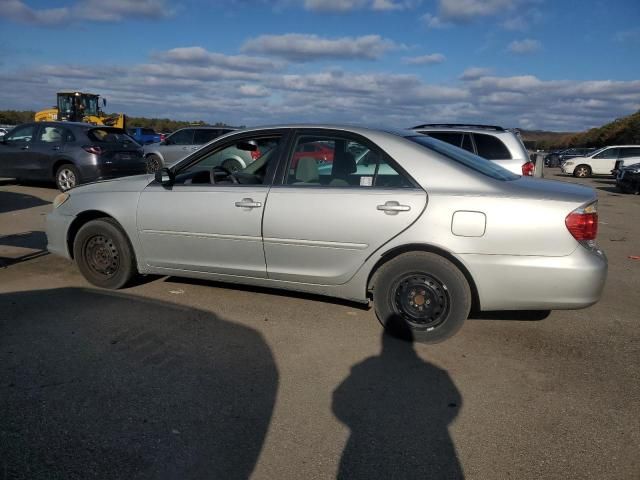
<point x="344" y="164"/>
<point x="307" y="171"/>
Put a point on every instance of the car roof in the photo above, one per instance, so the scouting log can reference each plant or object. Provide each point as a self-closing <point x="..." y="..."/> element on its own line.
<point x="485" y="129"/>
<point x="331" y="126"/>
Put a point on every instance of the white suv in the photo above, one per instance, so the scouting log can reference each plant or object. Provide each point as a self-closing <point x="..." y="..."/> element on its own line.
<point x="494" y="143"/>
<point x="602" y="161"/>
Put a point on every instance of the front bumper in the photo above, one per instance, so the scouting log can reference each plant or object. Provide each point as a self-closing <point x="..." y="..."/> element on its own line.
<point x="57" y="230"/>
<point x="511" y="282"/>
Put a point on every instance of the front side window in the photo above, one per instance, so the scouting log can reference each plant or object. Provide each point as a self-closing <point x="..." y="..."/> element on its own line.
<point x="490" y="147"/>
<point x="336" y="161"/>
<point x="249" y="161"/>
<point x="21" y="134"/>
<point x="609" y="153"/>
<point x="181" y="137"/>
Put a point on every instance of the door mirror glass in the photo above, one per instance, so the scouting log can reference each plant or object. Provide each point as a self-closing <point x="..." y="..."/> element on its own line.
<point x="249" y="146"/>
<point x="165" y="177"/>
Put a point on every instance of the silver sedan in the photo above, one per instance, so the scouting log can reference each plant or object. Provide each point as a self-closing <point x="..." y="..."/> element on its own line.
<point x="424" y="229"/>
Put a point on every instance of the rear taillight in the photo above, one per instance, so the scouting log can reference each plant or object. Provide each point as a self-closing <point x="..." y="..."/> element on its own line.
<point x="582" y="223"/>
<point x="256" y="154"/>
<point x="528" y="168"/>
<point x="93" y="149"/>
<point x="162" y="137"/>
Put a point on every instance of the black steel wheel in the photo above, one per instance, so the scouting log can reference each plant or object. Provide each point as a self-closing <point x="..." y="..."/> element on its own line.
<point x="421" y="296"/>
<point x="103" y="254"/>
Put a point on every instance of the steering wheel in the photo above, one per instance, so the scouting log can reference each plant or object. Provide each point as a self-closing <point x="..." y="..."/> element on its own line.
<point x="221" y="172"/>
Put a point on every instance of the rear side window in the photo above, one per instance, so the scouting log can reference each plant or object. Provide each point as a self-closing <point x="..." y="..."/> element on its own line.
<point x="609" y="153"/>
<point x="205" y="136"/>
<point x="491" y="148"/>
<point x="109" y="135"/>
<point x="181" y="137"/>
<point x="630" y="152"/>
<point x="454" y="138"/>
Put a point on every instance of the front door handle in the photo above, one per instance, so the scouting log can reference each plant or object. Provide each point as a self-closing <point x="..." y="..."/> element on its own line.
<point x="26" y="147"/>
<point x="248" y="203"/>
<point x="392" y="207"/>
<point x="55" y="148"/>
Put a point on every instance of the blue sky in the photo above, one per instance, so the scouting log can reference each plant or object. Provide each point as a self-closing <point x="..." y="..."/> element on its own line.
<point x="558" y="65"/>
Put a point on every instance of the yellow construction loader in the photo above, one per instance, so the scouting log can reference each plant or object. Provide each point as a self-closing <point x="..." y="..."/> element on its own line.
<point x="80" y="107"/>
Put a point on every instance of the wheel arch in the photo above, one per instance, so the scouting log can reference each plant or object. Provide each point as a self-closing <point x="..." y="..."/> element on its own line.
<point x="427" y="248"/>
<point x="82" y="219"/>
<point x="58" y="162"/>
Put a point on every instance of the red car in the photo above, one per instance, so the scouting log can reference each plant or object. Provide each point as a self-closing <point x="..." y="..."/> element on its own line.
<point x="320" y="152"/>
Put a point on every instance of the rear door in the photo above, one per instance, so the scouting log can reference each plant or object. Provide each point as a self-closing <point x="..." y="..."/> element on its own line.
<point x="177" y="146"/>
<point x="323" y="221"/>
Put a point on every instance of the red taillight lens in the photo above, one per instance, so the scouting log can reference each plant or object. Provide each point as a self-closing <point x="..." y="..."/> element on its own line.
<point x="93" y="149"/>
<point x="256" y="154"/>
<point x="582" y="223"/>
<point x="528" y="168"/>
<point x="162" y="137"/>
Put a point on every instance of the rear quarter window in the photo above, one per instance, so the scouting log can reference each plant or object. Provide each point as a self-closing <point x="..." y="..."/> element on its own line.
<point x="491" y="148"/>
<point x="109" y="135"/>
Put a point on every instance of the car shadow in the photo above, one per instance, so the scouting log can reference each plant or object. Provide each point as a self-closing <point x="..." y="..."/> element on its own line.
<point x="269" y="291"/>
<point x="514" y="315"/>
<point x="101" y="385"/>
<point x="35" y="240"/>
<point x="12" y="201"/>
<point x="398" y="408"/>
<point x="611" y="190"/>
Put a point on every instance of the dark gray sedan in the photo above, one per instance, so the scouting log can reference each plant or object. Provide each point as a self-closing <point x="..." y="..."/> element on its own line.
<point x="69" y="153"/>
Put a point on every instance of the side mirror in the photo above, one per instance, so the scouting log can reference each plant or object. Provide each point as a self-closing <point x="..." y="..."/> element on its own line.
<point x="104" y="102"/>
<point x="165" y="177"/>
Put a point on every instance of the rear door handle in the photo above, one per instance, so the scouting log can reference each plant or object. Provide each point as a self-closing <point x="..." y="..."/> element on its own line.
<point x="392" y="207"/>
<point x="55" y="148"/>
<point x="248" y="203"/>
<point x="26" y="147"/>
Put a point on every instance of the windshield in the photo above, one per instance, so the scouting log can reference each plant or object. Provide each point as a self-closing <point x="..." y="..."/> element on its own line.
<point x="465" y="158"/>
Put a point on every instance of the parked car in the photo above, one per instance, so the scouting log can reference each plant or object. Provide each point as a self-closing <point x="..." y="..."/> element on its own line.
<point x="180" y="144"/>
<point x="321" y="152"/>
<point x="627" y="177"/>
<point x="554" y="159"/>
<point x="69" y="153"/>
<point x="494" y="143"/>
<point x="490" y="239"/>
<point x="602" y="161"/>
<point x="144" y="136"/>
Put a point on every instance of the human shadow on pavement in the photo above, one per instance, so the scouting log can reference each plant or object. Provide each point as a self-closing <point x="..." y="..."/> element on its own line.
<point x="12" y="201"/>
<point x="398" y="408"/>
<point x="101" y="385"/>
<point x="33" y="240"/>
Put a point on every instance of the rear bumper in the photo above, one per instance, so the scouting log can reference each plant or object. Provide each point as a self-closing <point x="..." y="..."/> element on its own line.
<point x="538" y="283"/>
<point x="57" y="228"/>
<point x="107" y="171"/>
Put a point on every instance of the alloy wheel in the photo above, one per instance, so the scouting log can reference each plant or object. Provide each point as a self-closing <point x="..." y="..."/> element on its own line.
<point x="66" y="179"/>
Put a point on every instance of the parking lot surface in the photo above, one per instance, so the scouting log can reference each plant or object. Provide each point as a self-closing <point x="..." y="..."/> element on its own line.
<point x="175" y="378"/>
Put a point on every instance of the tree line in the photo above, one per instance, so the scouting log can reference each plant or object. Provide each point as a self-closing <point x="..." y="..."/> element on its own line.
<point x="16" y="117"/>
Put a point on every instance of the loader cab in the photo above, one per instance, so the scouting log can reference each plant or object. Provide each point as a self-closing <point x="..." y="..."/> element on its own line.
<point x="74" y="106"/>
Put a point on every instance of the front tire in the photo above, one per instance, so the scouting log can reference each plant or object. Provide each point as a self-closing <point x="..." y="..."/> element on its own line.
<point x="582" y="171"/>
<point x="421" y="296"/>
<point x="103" y="254"/>
<point x="67" y="177"/>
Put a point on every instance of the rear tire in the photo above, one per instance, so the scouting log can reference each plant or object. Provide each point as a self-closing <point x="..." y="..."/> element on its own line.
<point x="421" y="296"/>
<point x="582" y="171"/>
<point x="154" y="163"/>
<point x="103" y="254"/>
<point x="67" y="177"/>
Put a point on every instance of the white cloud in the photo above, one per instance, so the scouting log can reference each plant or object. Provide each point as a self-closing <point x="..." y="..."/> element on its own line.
<point x="342" y="6"/>
<point x="86" y="10"/>
<point x="430" y="59"/>
<point x="525" y="46"/>
<point x="431" y="21"/>
<point x="202" y="57"/>
<point x="462" y="11"/>
<point x="474" y="73"/>
<point x="299" y="47"/>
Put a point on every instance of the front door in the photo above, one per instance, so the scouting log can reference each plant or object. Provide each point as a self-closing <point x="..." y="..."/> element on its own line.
<point x="15" y="151"/>
<point x="604" y="162"/>
<point x="210" y="221"/>
<point x="325" y="220"/>
<point x="48" y="144"/>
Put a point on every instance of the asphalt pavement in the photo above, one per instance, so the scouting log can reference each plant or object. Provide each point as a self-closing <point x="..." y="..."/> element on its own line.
<point x="184" y="379"/>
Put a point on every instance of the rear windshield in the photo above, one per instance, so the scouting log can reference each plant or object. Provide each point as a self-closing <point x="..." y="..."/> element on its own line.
<point x="109" y="135"/>
<point x="465" y="158"/>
